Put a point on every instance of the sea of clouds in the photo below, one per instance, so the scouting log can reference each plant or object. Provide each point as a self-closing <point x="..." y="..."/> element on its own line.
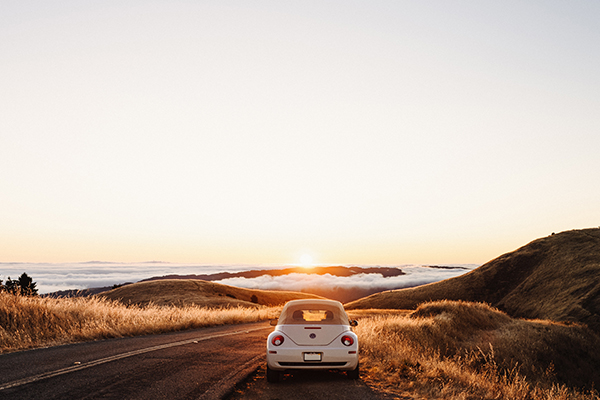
<point x="415" y="275"/>
<point x="52" y="277"/>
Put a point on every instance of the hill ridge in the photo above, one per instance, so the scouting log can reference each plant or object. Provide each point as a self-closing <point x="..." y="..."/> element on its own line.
<point x="555" y="277"/>
<point x="183" y="292"/>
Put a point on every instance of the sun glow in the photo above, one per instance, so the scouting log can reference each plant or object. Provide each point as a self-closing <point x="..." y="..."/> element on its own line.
<point x="306" y="261"/>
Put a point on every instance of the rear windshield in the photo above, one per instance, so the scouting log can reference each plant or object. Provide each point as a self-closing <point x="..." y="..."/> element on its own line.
<point x="311" y="315"/>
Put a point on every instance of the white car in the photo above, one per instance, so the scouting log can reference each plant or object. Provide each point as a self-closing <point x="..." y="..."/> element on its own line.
<point x="312" y="334"/>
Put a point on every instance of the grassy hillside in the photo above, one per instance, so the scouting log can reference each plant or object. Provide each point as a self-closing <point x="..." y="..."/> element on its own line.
<point x="33" y="321"/>
<point x="135" y="309"/>
<point x="183" y="292"/>
<point x="458" y="350"/>
<point x="556" y="278"/>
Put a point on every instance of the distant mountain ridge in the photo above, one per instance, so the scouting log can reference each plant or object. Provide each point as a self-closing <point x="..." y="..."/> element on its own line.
<point x="556" y="277"/>
<point x="341" y="294"/>
<point x="332" y="270"/>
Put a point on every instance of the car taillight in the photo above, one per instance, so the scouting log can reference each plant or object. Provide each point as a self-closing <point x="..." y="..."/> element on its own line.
<point x="347" y="340"/>
<point x="277" y="340"/>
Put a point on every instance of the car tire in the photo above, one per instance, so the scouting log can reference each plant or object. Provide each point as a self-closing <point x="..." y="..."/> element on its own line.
<point x="273" y="376"/>
<point x="354" y="373"/>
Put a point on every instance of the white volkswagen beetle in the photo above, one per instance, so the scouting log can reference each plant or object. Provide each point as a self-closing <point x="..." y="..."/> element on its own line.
<point x="312" y="334"/>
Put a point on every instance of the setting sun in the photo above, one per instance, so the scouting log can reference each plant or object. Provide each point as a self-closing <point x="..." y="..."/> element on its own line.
<point x="306" y="261"/>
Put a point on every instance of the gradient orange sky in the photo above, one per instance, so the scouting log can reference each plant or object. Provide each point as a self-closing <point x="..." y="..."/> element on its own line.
<point x="370" y="132"/>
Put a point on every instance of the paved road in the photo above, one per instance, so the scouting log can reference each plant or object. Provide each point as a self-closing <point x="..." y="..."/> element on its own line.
<point x="197" y="364"/>
<point x="201" y="364"/>
<point x="304" y="385"/>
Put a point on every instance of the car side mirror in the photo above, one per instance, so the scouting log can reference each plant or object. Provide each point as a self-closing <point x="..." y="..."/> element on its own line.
<point x="273" y="322"/>
<point x="354" y="323"/>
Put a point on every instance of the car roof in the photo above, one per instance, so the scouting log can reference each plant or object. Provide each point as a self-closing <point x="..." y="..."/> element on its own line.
<point x="315" y="302"/>
<point x="339" y="314"/>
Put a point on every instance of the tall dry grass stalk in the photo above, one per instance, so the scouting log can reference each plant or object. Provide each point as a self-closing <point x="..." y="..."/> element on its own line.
<point x="28" y="322"/>
<point x="459" y="351"/>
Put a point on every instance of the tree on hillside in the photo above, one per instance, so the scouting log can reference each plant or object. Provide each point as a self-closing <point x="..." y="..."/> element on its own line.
<point x="24" y="286"/>
<point x="27" y="285"/>
<point x="11" y="286"/>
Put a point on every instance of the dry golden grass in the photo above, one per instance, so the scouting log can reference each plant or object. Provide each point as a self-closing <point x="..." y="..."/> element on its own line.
<point x="356" y="314"/>
<point x="443" y="350"/>
<point x="458" y="350"/>
<point x="28" y="322"/>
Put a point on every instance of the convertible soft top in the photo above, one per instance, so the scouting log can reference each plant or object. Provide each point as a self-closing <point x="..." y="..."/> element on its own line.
<point x="328" y="312"/>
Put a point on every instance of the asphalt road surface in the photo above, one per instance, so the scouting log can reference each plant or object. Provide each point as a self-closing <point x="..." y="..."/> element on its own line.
<point x="206" y="364"/>
<point x="197" y="364"/>
<point x="304" y="385"/>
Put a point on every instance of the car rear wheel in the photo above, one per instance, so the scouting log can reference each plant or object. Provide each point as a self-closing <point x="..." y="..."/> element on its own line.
<point x="354" y="373"/>
<point x="273" y="376"/>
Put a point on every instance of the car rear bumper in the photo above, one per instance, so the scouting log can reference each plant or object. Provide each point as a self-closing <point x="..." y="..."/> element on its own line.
<point x="337" y="358"/>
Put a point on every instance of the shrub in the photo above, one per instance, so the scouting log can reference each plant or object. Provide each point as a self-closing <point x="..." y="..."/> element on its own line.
<point x="24" y="285"/>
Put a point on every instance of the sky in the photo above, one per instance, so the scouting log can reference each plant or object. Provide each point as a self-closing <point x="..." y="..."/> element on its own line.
<point x="365" y="132"/>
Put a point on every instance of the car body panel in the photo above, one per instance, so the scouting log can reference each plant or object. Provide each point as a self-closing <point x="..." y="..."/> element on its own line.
<point x="312" y="344"/>
<point x="313" y="335"/>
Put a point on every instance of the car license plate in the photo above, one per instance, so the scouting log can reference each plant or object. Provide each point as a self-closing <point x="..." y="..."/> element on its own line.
<point x="312" y="356"/>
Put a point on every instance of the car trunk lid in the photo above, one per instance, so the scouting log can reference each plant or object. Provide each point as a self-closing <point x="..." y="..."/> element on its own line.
<point x="313" y="335"/>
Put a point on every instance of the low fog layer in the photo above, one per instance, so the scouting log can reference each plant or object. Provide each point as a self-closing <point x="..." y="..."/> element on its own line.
<point x="55" y="277"/>
<point x="348" y="288"/>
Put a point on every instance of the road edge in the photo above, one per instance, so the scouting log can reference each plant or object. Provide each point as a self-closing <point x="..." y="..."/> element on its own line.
<point x="226" y="386"/>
